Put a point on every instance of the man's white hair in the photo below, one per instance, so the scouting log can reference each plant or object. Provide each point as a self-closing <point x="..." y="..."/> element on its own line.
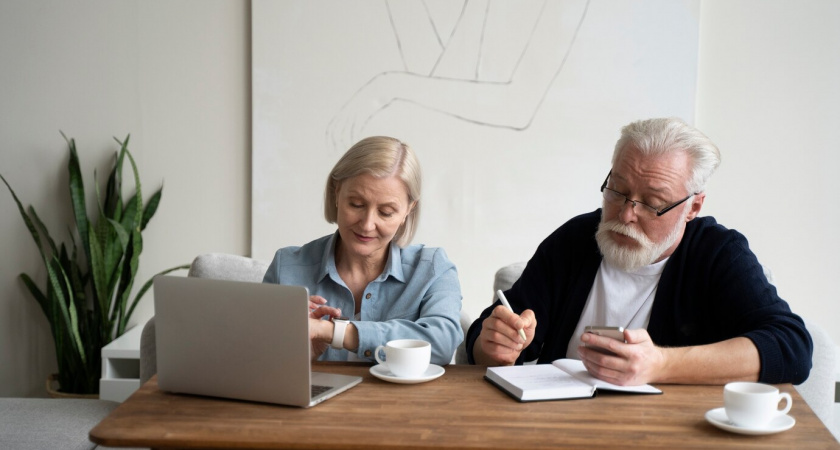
<point x="664" y="135"/>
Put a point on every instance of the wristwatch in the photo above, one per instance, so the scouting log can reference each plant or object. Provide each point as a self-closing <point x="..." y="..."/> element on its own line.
<point x="338" y="332"/>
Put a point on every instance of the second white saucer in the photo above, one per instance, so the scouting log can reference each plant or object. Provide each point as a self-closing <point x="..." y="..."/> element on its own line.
<point x="718" y="418"/>
<point x="431" y="373"/>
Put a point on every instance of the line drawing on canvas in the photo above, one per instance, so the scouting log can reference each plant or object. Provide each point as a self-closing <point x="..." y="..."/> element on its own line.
<point x="457" y="62"/>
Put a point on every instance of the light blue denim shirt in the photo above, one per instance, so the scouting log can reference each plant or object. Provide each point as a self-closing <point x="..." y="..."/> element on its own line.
<point x="417" y="296"/>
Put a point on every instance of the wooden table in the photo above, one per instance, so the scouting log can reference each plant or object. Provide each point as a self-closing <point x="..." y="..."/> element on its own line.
<point x="458" y="410"/>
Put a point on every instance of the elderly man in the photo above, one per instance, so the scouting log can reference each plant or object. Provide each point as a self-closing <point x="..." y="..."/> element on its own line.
<point x="693" y="299"/>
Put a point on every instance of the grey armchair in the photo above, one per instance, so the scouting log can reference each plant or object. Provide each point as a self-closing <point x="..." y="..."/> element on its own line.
<point x="218" y="266"/>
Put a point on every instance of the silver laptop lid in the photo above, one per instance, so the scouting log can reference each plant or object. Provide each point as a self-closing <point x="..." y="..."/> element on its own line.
<point x="233" y="339"/>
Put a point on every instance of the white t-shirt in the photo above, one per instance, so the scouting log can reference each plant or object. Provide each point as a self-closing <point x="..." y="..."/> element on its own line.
<point x="630" y="296"/>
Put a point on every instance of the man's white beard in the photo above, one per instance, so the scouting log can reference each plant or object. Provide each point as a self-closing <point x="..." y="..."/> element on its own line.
<point x="632" y="259"/>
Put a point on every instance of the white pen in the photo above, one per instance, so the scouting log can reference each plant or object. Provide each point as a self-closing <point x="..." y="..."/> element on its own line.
<point x="507" y="305"/>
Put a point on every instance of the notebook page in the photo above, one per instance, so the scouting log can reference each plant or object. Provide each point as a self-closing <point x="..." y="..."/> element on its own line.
<point x="576" y="369"/>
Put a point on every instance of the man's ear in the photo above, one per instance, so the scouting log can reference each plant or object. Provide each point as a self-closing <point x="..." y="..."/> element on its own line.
<point x="696" y="206"/>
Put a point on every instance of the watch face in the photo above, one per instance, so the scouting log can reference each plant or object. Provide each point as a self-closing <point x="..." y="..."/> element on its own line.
<point x="342" y="319"/>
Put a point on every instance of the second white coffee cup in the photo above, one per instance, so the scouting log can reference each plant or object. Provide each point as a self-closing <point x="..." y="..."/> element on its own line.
<point x="405" y="358"/>
<point x="753" y="405"/>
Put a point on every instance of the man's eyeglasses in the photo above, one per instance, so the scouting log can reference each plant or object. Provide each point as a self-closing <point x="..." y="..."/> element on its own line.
<point x="617" y="198"/>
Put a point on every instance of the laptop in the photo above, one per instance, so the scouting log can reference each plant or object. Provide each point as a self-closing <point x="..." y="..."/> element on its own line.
<point x="239" y="340"/>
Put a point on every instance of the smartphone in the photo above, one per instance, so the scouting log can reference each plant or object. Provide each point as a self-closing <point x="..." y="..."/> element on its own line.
<point x="616" y="333"/>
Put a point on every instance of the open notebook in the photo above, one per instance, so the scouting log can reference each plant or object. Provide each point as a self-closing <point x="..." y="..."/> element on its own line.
<point x="562" y="379"/>
<point x="240" y="340"/>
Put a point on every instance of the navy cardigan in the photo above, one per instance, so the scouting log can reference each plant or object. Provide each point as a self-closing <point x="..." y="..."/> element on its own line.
<point x="712" y="289"/>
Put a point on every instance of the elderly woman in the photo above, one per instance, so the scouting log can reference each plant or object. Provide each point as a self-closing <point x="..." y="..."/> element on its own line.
<point x="366" y="270"/>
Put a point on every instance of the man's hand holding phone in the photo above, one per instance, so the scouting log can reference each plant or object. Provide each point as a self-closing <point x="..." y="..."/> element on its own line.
<point x="627" y="359"/>
<point x="601" y="345"/>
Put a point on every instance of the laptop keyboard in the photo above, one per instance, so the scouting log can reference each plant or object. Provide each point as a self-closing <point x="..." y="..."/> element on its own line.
<point x="318" y="389"/>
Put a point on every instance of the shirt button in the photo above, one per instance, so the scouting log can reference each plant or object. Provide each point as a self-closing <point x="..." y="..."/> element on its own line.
<point x="368" y="295"/>
<point x="367" y="353"/>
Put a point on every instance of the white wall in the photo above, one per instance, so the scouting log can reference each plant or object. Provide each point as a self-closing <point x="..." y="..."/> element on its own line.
<point x="491" y="194"/>
<point x="768" y="96"/>
<point x="173" y="74"/>
<point x="176" y="75"/>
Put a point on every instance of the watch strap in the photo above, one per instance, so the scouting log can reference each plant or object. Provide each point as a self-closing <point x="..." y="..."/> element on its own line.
<point x="340" y="324"/>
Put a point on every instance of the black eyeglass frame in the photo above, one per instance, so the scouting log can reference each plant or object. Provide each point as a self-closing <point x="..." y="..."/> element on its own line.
<point x="659" y="212"/>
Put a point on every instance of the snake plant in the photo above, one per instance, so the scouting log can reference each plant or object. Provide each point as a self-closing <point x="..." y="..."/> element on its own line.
<point x="87" y="294"/>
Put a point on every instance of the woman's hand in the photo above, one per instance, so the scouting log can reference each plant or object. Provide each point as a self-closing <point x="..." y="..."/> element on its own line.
<point x="320" y="329"/>
<point x="318" y="308"/>
<point x="320" y="335"/>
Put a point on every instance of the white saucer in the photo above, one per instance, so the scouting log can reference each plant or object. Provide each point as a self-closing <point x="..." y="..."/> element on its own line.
<point x="718" y="418"/>
<point x="431" y="373"/>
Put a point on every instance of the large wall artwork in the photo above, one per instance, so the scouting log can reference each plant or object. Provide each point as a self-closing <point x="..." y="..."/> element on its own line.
<point x="512" y="106"/>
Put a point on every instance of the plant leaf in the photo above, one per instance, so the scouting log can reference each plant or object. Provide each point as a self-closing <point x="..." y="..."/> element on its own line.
<point x="42" y="299"/>
<point x="138" y="190"/>
<point x="77" y="197"/>
<point x="151" y="208"/>
<point x="116" y="173"/>
<point x="130" y="270"/>
<point x="146" y="287"/>
<point x="65" y="305"/>
<point x="27" y="221"/>
<point x="112" y="241"/>
<point x="120" y="231"/>
<point x="120" y="159"/>
<point x="130" y="213"/>
<point x="111" y="250"/>
<point x="113" y="196"/>
<point x="100" y="277"/>
<point x="37" y="222"/>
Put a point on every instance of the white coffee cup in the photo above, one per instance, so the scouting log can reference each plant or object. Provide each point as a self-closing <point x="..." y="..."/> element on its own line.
<point x="753" y="405"/>
<point x="405" y="358"/>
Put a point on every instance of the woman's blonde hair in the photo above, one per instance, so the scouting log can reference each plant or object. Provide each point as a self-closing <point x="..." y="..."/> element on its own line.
<point x="382" y="157"/>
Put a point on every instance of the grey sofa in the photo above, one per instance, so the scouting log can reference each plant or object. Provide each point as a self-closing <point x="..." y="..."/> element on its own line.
<point x="46" y="423"/>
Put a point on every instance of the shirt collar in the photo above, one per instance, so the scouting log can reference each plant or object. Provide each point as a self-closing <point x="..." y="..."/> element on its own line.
<point x="328" y="259"/>
<point x="393" y="267"/>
